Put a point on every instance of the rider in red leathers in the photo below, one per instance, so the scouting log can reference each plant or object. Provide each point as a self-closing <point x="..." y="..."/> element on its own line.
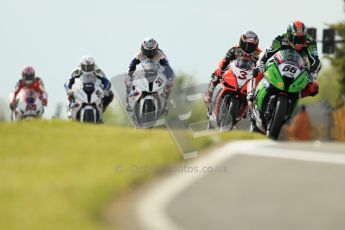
<point x="30" y="81"/>
<point x="247" y="49"/>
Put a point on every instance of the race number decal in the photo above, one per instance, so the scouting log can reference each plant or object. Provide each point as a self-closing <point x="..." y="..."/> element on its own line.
<point x="290" y="71"/>
<point x="30" y="107"/>
<point x="289" y="68"/>
<point x="159" y="82"/>
<point x="98" y="93"/>
<point x="243" y="75"/>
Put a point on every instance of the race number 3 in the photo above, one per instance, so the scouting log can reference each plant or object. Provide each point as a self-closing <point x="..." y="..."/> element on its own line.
<point x="243" y="75"/>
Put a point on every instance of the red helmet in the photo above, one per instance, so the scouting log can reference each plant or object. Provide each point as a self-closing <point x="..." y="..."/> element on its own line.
<point x="297" y="34"/>
<point x="249" y="42"/>
<point x="28" y="74"/>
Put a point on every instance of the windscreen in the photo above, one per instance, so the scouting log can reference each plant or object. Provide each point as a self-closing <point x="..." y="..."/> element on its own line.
<point x="289" y="56"/>
<point x="87" y="78"/>
<point x="244" y="64"/>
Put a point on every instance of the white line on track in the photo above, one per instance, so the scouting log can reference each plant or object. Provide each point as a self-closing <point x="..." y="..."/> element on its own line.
<point x="151" y="208"/>
<point x="291" y="154"/>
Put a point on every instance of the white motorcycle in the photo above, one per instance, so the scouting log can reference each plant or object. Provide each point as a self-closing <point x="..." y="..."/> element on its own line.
<point x="88" y="99"/>
<point x="148" y="95"/>
<point x="29" y="105"/>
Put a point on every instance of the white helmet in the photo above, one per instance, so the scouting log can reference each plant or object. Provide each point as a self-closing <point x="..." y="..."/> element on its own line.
<point x="149" y="47"/>
<point x="87" y="64"/>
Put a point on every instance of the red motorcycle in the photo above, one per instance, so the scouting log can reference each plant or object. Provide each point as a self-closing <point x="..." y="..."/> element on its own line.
<point x="229" y="99"/>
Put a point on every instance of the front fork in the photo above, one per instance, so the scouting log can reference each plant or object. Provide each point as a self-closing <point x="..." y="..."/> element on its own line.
<point x="270" y="107"/>
<point x="270" y="110"/>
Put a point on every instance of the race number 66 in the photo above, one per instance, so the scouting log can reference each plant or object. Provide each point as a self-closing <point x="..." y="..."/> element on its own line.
<point x="289" y="68"/>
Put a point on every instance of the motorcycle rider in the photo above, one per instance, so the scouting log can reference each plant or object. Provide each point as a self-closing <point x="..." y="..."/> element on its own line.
<point x="88" y="66"/>
<point x="149" y="50"/>
<point x="247" y="49"/>
<point x="29" y="80"/>
<point x="296" y="38"/>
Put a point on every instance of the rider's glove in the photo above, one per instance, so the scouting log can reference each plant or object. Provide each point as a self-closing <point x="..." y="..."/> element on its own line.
<point x="70" y="92"/>
<point x="70" y="95"/>
<point x="132" y="91"/>
<point x="169" y="86"/>
<point x="313" y="88"/>
<point x="312" y="77"/>
<point x="214" y="78"/>
<point x="170" y="83"/>
<point x="218" y="72"/>
<point x="256" y="72"/>
<point x="129" y="80"/>
<point x="260" y="68"/>
<point x="44" y="102"/>
<point x="130" y="76"/>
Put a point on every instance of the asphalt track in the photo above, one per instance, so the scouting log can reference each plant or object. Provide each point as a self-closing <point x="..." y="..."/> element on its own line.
<point x="252" y="185"/>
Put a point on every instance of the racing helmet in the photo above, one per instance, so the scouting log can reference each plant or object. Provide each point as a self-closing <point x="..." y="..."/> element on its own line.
<point x="297" y="35"/>
<point x="87" y="63"/>
<point x="28" y="75"/>
<point x="149" y="47"/>
<point x="249" y="41"/>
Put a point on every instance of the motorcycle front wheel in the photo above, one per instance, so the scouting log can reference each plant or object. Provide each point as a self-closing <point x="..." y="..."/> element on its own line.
<point x="229" y="112"/>
<point x="278" y="118"/>
<point x="148" y="114"/>
<point x="89" y="116"/>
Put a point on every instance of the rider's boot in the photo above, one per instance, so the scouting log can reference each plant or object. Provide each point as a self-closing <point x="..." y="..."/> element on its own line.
<point x="127" y="106"/>
<point x="107" y="100"/>
<point x="69" y="114"/>
<point x="129" y="85"/>
<point x="165" y="110"/>
<point x="70" y="104"/>
<point x="209" y="94"/>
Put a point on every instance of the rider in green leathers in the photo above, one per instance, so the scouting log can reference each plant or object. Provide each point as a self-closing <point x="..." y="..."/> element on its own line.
<point x="295" y="38"/>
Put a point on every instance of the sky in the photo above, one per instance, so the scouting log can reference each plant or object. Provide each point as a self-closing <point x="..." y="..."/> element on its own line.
<point x="52" y="36"/>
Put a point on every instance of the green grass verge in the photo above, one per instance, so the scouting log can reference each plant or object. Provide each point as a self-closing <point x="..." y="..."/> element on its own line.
<point x="61" y="175"/>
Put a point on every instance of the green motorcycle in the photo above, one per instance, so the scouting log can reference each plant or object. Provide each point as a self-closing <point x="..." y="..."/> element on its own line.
<point x="278" y="93"/>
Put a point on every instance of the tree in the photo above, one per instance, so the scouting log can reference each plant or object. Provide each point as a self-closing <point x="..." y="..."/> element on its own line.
<point x="3" y="110"/>
<point x="338" y="60"/>
<point x="115" y="115"/>
<point x="185" y="84"/>
<point x="58" y="111"/>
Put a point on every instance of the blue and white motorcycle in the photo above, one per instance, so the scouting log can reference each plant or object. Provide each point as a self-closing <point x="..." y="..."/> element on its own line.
<point x="88" y="99"/>
<point x="148" y="94"/>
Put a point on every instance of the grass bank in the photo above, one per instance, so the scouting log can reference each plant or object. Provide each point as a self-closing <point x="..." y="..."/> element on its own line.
<point x="60" y="175"/>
